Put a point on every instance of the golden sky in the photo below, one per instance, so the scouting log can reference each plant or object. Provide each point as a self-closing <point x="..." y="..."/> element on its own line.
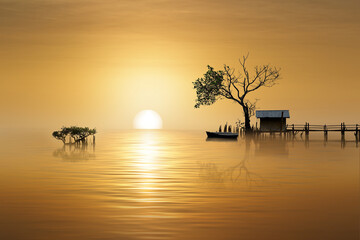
<point x="99" y="62"/>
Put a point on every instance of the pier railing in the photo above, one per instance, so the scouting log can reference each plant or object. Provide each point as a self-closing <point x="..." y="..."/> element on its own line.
<point x="307" y="128"/>
<point x="322" y="128"/>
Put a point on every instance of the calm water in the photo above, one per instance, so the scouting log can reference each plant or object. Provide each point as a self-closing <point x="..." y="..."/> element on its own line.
<point x="177" y="185"/>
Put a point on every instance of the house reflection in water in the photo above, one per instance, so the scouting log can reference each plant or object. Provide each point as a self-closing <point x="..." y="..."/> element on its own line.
<point x="274" y="145"/>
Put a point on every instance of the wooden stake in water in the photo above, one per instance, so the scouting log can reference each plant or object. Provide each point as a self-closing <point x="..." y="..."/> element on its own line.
<point x="325" y="133"/>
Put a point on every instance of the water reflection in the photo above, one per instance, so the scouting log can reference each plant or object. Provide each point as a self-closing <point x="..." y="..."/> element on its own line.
<point x="176" y="185"/>
<point x="307" y="139"/>
<point x="221" y="140"/>
<point x="73" y="153"/>
<point x="236" y="172"/>
<point x="276" y="146"/>
<point x="144" y="158"/>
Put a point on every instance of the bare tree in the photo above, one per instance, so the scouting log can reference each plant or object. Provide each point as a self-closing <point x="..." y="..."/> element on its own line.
<point x="226" y="84"/>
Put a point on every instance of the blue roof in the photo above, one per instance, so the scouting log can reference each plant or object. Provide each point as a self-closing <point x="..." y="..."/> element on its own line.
<point x="272" y="113"/>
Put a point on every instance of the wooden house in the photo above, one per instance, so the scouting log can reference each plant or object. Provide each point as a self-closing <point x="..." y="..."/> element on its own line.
<point x="272" y="120"/>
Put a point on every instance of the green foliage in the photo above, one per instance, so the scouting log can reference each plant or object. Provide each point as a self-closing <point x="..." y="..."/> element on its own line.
<point x="79" y="134"/>
<point x="208" y="88"/>
<point x="59" y="135"/>
<point x="235" y="86"/>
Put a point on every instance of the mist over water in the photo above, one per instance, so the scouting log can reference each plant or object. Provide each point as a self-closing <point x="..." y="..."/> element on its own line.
<point x="177" y="185"/>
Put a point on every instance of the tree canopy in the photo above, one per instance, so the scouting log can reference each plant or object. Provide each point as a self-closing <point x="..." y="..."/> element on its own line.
<point x="78" y="134"/>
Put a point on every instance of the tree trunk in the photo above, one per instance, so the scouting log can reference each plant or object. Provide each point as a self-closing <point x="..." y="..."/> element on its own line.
<point x="247" y="120"/>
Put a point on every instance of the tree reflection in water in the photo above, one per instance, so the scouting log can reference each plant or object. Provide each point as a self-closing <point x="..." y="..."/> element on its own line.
<point x="211" y="173"/>
<point x="74" y="153"/>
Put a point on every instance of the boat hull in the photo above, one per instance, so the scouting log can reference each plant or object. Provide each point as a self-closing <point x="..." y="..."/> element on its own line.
<point x="222" y="135"/>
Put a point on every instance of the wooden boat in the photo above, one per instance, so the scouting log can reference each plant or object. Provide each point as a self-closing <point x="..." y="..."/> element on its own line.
<point x="222" y="135"/>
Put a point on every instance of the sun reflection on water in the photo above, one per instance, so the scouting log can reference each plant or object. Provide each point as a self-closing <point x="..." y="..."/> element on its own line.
<point x="145" y="164"/>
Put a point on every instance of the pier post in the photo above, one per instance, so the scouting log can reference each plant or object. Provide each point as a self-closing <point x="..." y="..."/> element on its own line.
<point x="307" y="127"/>
<point x="307" y="139"/>
<point x="325" y="134"/>
<point x="342" y="131"/>
<point x="342" y="135"/>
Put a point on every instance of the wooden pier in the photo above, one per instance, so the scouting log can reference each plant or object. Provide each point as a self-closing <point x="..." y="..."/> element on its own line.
<point x="291" y="130"/>
<point x="307" y="128"/>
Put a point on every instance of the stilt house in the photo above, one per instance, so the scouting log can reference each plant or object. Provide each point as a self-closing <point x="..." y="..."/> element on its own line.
<point x="272" y="120"/>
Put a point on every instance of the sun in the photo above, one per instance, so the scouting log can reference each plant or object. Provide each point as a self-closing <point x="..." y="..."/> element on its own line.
<point x="147" y="119"/>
